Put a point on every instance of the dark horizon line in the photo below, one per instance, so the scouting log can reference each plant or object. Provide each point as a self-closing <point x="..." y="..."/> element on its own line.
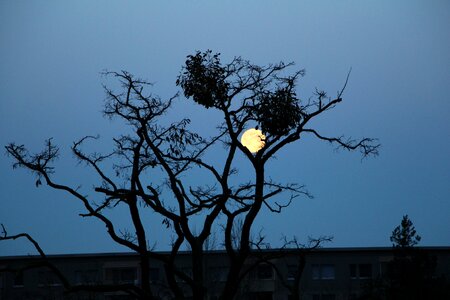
<point x="187" y="252"/>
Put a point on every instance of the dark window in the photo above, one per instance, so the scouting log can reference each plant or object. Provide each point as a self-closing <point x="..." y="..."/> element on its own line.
<point x="187" y="272"/>
<point x="383" y="268"/>
<point x="265" y="272"/>
<point x="18" y="279"/>
<point x="128" y="275"/>
<point x="218" y="274"/>
<point x="48" y="278"/>
<point x="315" y="272"/>
<point x="154" y="274"/>
<point x="292" y="272"/>
<point x="86" y="277"/>
<point x="325" y="271"/>
<point x="353" y="272"/>
<point x="360" y="271"/>
<point x="365" y="271"/>
<point x="324" y="297"/>
<point x="121" y="275"/>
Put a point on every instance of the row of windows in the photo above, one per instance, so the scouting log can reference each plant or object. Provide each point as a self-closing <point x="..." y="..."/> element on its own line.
<point x="327" y="271"/>
<point x="318" y="271"/>
<point x="217" y="274"/>
<point x="266" y="272"/>
<point x="113" y="275"/>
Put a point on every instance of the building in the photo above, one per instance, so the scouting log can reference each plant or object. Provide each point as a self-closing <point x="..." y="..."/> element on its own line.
<point x="328" y="273"/>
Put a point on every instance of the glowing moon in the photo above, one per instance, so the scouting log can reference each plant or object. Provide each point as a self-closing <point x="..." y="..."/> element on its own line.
<point x="253" y="139"/>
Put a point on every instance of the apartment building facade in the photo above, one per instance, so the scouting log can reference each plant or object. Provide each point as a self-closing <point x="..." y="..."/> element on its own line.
<point x="328" y="274"/>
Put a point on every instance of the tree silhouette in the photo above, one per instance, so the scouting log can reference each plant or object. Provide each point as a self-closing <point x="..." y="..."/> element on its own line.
<point x="148" y="167"/>
<point x="412" y="272"/>
<point x="405" y="234"/>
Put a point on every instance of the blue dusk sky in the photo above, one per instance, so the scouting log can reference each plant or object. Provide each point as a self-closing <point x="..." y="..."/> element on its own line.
<point x="52" y="53"/>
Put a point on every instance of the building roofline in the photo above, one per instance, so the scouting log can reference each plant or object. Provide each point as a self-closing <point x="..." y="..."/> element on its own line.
<point x="213" y="252"/>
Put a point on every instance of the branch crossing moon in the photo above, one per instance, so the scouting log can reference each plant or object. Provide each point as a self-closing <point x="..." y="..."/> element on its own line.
<point x="253" y="139"/>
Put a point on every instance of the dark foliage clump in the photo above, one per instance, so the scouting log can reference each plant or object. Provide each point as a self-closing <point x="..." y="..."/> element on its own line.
<point x="203" y="79"/>
<point x="278" y="112"/>
<point x="405" y="234"/>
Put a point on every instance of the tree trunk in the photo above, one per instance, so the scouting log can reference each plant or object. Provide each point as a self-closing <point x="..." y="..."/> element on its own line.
<point x="232" y="284"/>
<point x="145" y="277"/>
<point x="198" y="289"/>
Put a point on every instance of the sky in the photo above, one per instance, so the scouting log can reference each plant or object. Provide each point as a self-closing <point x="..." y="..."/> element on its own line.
<point x="52" y="54"/>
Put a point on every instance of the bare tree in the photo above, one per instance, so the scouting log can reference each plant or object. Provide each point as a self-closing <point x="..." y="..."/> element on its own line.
<point x="246" y="95"/>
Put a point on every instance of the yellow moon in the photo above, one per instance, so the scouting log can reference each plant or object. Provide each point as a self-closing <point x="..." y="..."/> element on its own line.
<point x="253" y="139"/>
